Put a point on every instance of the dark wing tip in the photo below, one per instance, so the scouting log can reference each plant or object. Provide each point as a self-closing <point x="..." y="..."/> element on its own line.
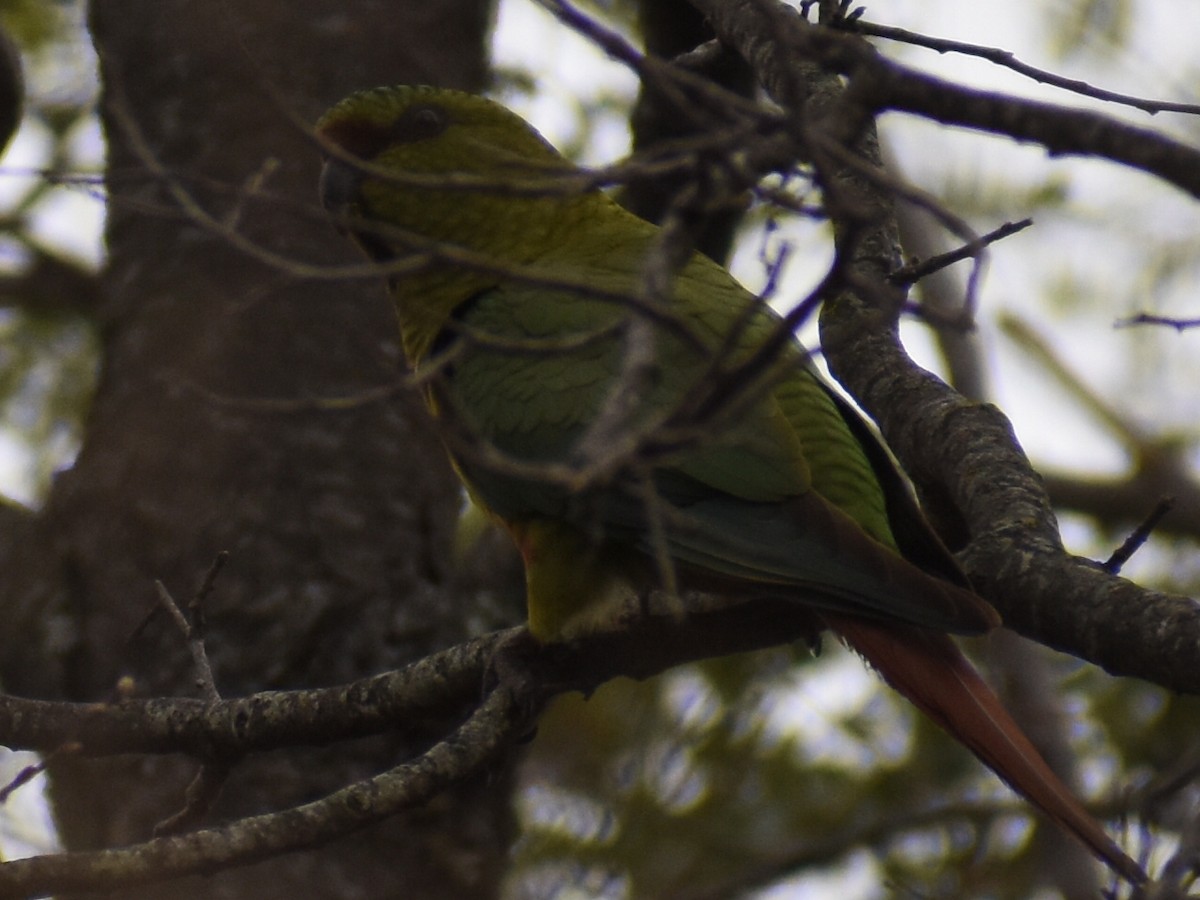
<point x="914" y="595"/>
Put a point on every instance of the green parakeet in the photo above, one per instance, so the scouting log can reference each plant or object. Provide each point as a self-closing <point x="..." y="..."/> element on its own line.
<point x="629" y="442"/>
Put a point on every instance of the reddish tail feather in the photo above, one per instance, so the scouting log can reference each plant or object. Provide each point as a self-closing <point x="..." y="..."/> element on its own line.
<point x="928" y="668"/>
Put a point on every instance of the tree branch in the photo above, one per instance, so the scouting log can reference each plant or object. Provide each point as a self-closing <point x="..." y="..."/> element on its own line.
<point x="493" y="726"/>
<point x="529" y="675"/>
<point x="264" y="721"/>
<point x="963" y="456"/>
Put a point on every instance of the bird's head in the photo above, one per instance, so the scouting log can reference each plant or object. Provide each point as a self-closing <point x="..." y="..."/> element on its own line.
<point x="442" y="166"/>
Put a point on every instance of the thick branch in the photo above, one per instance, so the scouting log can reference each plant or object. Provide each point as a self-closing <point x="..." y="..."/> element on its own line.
<point x="493" y="726"/>
<point x="530" y="675"/>
<point x="265" y="721"/>
<point x="436" y="685"/>
<point x="774" y="38"/>
<point x="962" y="455"/>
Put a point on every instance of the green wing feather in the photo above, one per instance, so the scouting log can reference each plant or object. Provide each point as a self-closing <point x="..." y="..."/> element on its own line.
<point x="772" y="495"/>
<point x="765" y="489"/>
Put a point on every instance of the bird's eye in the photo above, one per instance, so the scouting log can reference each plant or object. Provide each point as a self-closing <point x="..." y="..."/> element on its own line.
<point x="421" y="121"/>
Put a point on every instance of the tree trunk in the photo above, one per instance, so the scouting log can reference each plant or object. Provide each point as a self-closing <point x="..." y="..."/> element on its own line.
<point x="244" y="407"/>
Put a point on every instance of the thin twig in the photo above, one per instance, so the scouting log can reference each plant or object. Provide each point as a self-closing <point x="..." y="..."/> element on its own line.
<point x="28" y="773"/>
<point x="1138" y="537"/>
<point x="201" y="795"/>
<point x="195" y="642"/>
<point x="914" y="272"/>
<point x="22" y="778"/>
<point x="1008" y="60"/>
<point x="1179" y="325"/>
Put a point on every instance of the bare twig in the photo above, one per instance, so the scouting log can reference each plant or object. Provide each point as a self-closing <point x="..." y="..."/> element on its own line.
<point x="195" y="642"/>
<point x="1152" y="319"/>
<point x="1138" y="537"/>
<point x="22" y="778"/>
<point x="201" y="794"/>
<point x="915" y="271"/>
<point x="28" y="773"/>
<point x="1008" y="60"/>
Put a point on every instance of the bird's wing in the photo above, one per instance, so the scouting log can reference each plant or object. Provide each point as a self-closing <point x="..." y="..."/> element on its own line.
<point x="733" y="503"/>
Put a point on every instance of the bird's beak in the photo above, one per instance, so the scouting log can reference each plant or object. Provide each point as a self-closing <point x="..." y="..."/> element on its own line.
<point x="338" y="187"/>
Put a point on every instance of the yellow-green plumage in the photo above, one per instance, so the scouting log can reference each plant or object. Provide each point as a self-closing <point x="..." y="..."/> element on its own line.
<point x="533" y="365"/>
<point x="518" y="290"/>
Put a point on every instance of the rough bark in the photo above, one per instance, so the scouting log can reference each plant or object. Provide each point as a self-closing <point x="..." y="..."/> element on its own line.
<point x="243" y="407"/>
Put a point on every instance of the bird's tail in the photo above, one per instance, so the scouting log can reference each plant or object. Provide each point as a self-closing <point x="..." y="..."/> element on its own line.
<point x="928" y="668"/>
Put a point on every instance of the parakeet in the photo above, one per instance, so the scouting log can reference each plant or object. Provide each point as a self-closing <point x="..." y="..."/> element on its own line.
<point x="630" y="441"/>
